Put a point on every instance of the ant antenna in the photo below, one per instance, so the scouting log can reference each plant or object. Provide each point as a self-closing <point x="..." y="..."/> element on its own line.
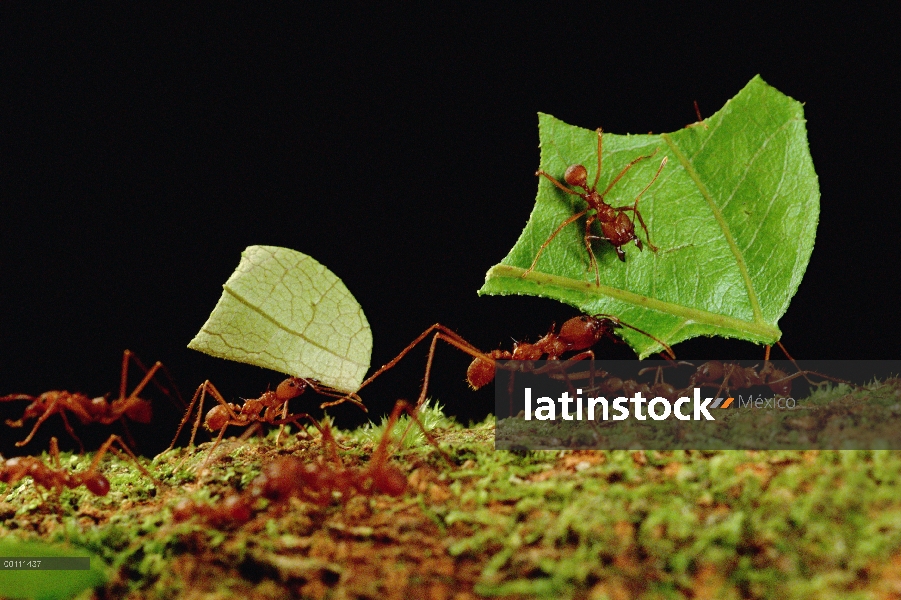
<point x="615" y="320"/>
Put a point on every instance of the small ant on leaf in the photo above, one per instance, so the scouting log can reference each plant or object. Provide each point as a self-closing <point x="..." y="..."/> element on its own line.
<point x="93" y="410"/>
<point x="57" y="478"/>
<point x="617" y="228"/>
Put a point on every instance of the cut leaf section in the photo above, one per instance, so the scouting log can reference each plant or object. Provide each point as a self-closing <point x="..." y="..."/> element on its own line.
<point x="734" y="213"/>
<point x="283" y="310"/>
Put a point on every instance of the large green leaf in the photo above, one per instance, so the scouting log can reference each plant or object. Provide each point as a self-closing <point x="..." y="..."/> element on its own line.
<point x="734" y="214"/>
<point x="283" y="310"/>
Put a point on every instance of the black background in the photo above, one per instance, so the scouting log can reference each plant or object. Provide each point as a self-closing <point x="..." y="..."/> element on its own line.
<point x="144" y="148"/>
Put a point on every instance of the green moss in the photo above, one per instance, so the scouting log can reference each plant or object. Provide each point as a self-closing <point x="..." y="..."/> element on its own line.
<point x="650" y="524"/>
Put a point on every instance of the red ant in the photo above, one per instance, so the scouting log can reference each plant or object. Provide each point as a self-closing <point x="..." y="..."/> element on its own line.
<point x="92" y="410"/>
<point x="56" y="478"/>
<point x="576" y="335"/>
<point x="617" y="228"/>
<point x="270" y="408"/>
<point x="724" y="376"/>
<point x="316" y="482"/>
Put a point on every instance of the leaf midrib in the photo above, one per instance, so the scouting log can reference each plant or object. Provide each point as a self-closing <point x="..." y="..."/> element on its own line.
<point x="759" y="328"/>
<point x="283" y="327"/>
<point x="724" y="227"/>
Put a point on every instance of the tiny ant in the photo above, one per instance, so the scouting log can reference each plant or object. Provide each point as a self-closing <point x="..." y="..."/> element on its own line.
<point x="316" y="482"/>
<point x="93" y="410"/>
<point x="617" y="228"/>
<point x="57" y="478"/>
<point x="270" y="408"/>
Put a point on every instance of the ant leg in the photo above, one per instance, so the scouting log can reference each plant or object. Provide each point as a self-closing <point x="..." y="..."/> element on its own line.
<point x="794" y="362"/>
<point x="597" y="176"/>
<point x="566" y="222"/>
<point x="108" y="446"/>
<point x="341" y="396"/>
<point x="128" y="436"/>
<point x="40" y="421"/>
<point x="12" y="397"/>
<point x="666" y="347"/>
<point x="634" y="207"/>
<point x="380" y="455"/>
<point x="625" y="169"/>
<point x="69" y="430"/>
<point x="445" y="333"/>
<point x="127" y="356"/>
<point x="550" y="178"/>
<point x="201" y="395"/>
<point x="804" y="374"/>
<point x="188" y="416"/>
<point x="592" y="260"/>
<point x="54" y="454"/>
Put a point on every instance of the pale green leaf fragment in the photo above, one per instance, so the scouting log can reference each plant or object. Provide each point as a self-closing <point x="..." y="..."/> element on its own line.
<point x="46" y="584"/>
<point x="283" y="310"/>
<point x="734" y="213"/>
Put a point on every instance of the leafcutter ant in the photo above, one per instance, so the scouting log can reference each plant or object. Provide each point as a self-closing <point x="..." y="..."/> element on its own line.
<point x="93" y="410"/>
<point x="57" y="478"/>
<point x="270" y="408"/>
<point x="578" y="334"/>
<point x="313" y="481"/>
<point x="616" y="226"/>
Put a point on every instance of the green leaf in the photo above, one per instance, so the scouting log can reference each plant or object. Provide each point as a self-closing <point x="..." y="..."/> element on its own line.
<point x="43" y="584"/>
<point x="734" y="213"/>
<point x="283" y="310"/>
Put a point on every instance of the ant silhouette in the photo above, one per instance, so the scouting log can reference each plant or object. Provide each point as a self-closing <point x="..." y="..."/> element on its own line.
<point x="617" y="228"/>
<point x="317" y="481"/>
<point x="57" y="478"/>
<point x="270" y="408"/>
<point x="94" y="410"/>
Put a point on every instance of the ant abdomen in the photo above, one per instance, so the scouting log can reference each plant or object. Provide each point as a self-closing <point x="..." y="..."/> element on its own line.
<point x="97" y="484"/>
<point x="481" y="372"/>
<point x="140" y="412"/>
<point x="216" y="418"/>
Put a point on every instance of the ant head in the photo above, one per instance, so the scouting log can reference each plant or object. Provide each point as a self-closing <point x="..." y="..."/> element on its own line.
<point x="291" y="388"/>
<point x="709" y="372"/>
<point x="576" y="175"/>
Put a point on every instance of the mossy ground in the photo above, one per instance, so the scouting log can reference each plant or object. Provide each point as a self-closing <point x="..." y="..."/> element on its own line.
<point x="584" y="524"/>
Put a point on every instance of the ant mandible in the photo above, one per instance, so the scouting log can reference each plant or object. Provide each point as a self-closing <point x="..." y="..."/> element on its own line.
<point x="93" y="410"/>
<point x="617" y="228"/>
<point x="270" y="408"/>
<point x="316" y="482"/>
<point x="57" y="478"/>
